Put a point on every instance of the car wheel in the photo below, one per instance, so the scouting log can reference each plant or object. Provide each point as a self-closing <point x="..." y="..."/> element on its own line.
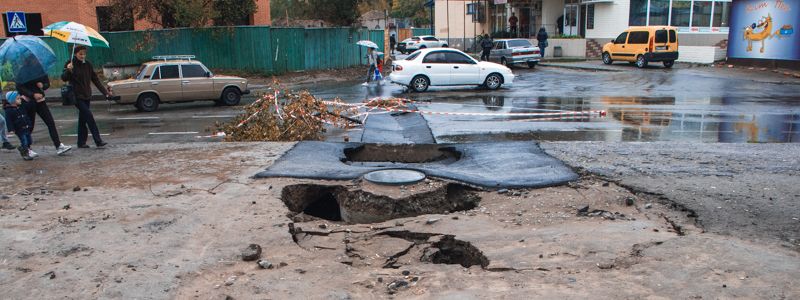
<point x="641" y="62"/>
<point x="147" y="102"/>
<point x="444" y="46"/>
<point x="531" y="64"/>
<point x="504" y="62"/>
<point x="668" y="63"/>
<point x="607" y="58"/>
<point x="493" y="81"/>
<point x="231" y="96"/>
<point x="420" y="83"/>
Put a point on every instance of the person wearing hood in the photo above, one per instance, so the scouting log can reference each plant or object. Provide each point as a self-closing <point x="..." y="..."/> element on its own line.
<point x="542" y="38"/>
<point x="35" y="103"/>
<point x="80" y="74"/>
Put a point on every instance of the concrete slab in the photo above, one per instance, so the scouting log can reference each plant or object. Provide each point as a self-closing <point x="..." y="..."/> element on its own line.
<point x="491" y="165"/>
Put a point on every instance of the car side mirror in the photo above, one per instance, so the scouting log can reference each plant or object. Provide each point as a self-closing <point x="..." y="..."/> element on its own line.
<point x="208" y="74"/>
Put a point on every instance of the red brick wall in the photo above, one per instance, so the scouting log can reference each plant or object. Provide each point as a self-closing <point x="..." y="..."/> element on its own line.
<point x="84" y="12"/>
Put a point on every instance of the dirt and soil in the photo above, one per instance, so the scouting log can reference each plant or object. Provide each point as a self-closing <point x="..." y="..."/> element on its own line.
<point x="166" y="221"/>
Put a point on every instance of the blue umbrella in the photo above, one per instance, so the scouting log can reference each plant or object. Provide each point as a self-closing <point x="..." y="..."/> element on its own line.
<point x="24" y="58"/>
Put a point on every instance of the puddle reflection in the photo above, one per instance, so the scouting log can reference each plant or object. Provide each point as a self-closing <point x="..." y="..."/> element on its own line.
<point x="710" y="119"/>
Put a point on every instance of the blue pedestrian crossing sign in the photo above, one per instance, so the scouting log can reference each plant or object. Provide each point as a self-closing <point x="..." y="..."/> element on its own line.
<point x="16" y="21"/>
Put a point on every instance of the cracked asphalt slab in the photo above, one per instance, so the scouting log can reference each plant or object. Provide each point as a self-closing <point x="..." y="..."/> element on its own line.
<point x="170" y="221"/>
<point x="490" y="165"/>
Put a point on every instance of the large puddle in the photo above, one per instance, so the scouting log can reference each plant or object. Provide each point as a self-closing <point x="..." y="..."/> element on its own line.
<point x="629" y="119"/>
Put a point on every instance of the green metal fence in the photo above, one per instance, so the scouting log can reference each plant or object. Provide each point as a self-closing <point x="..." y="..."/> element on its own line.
<point x="258" y="49"/>
<point x="421" y="31"/>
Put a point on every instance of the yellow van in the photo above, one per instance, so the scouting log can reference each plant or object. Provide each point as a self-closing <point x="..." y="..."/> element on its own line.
<point x="643" y="44"/>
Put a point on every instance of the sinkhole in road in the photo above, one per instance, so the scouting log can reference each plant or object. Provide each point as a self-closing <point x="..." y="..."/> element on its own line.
<point x="370" y="154"/>
<point x="354" y="205"/>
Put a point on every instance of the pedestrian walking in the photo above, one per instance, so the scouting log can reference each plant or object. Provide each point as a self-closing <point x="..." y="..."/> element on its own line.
<point x="392" y="42"/>
<point x="542" y="38"/>
<point x="3" y="134"/>
<point x="17" y="120"/>
<point x="486" y="45"/>
<point x="35" y="103"/>
<point x="80" y="74"/>
<point x="372" y="60"/>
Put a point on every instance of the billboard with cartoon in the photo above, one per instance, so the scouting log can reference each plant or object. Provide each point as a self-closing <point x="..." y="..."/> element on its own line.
<point x="764" y="29"/>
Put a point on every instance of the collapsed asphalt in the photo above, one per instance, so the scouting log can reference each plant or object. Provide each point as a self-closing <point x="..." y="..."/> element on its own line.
<point x="490" y="165"/>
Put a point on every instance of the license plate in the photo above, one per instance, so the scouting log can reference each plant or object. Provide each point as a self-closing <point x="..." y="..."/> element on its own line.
<point x="661" y="47"/>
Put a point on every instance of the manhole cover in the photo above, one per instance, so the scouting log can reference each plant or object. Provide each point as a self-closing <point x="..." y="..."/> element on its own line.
<point x="395" y="177"/>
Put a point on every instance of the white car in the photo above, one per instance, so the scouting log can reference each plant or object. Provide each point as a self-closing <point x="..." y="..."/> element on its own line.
<point x="443" y="67"/>
<point x="421" y="42"/>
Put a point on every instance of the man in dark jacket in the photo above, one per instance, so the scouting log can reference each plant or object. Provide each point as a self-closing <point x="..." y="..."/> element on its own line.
<point x="392" y="42"/>
<point x="486" y="45"/>
<point x="80" y="74"/>
<point x="34" y="93"/>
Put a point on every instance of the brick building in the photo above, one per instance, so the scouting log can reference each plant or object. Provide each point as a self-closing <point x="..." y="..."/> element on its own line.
<point x="93" y="13"/>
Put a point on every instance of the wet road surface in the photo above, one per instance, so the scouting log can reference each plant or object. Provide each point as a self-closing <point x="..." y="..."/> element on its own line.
<point x="682" y="104"/>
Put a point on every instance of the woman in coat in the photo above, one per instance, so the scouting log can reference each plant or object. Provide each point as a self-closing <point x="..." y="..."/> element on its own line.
<point x="542" y="38"/>
<point x="80" y="74"/>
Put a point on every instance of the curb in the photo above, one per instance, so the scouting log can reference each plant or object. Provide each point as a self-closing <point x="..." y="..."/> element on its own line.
<point x="578" y="67"/>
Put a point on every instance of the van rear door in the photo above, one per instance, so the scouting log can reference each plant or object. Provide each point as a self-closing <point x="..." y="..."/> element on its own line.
<point x="662" y="41"/>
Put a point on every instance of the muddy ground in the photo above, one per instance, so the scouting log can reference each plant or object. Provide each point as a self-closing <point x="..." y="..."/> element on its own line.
<point x="163" y="221"/>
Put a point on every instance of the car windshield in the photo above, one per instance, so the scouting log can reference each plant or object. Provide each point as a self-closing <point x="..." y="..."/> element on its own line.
<point x="416" y="38"/>
<point x="413" y="56"/>
<point x="140" y="72"/>
<point x="519" y="43"/>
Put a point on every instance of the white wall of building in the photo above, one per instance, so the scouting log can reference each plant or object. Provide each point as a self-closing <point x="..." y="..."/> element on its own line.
<point x="460" y="24"/>
<point x="610" y="19"/>
<point x="551" y="10"/>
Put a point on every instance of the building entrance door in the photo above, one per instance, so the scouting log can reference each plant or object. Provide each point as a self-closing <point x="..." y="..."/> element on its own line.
<point x="571" y="21"/>
<point x="524" y="22"/>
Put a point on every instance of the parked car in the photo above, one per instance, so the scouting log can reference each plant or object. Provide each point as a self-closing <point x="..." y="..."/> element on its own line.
<point x="643" y="44"/>
<point x="445" y="67"/>
<point x="420" y="42"/>
<point x="515" y="51"/>
<point x="177" y="78"/>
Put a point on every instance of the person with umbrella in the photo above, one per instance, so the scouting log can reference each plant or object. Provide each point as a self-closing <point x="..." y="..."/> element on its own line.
<point x="35" y="103"/>
<point x="372" y="59"/>
<point x="29" y="58"/>
<point x="80" y="74"/>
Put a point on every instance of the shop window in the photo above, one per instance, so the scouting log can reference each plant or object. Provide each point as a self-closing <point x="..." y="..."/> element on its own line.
<point x="701" y="14"/>
<point x="722" y="11"/>
<point x="681" y="13"/>
<point x="659" y="12"/>
<point x="590" y="16"/>
<point x="638" y="37"/>
<point x="638" y="13"/>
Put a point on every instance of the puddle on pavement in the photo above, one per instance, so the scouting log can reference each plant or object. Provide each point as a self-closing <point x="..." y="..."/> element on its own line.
<point x="711" y="119"/>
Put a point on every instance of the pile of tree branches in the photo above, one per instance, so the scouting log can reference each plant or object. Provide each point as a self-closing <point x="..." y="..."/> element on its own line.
<point x="283" y="115"/>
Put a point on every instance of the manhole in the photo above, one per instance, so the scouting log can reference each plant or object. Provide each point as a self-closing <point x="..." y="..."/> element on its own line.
<point x="395" y="176"/>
